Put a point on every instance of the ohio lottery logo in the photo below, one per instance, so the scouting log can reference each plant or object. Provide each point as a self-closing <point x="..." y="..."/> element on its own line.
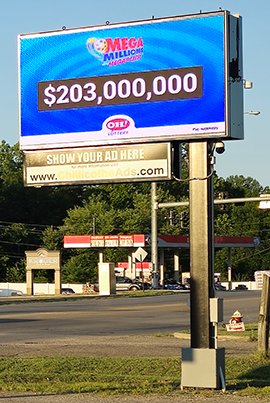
<point x="115" y="51"/>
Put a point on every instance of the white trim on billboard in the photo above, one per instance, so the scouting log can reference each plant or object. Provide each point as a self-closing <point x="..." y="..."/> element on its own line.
<point x="60" y="140"/>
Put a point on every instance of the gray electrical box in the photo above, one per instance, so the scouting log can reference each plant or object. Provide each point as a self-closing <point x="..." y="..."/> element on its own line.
<point x="216" y="310"/>
<point x="203" y="368"/>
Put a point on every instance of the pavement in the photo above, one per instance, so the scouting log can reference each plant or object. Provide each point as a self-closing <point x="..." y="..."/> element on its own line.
<point x="216" y="397"/>
<point x="147" y="345"/>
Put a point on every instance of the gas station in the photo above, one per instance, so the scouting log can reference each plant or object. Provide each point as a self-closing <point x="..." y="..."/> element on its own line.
<point x="174" y="242"/>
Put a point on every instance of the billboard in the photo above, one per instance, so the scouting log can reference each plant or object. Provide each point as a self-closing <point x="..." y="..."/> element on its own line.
<point x="164" y="79"/>
<point x="90" y="165"/>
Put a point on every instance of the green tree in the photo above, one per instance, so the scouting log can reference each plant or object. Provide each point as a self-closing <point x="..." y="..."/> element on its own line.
<point x="242" y="219"/>
<point x="81" y="267"/>
<point x="17" y="273"/>
<point x="34" y="217"/>
<point x="52" y="238"/>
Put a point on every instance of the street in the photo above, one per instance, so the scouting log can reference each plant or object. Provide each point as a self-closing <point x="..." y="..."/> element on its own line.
<point x="36" y="321"/>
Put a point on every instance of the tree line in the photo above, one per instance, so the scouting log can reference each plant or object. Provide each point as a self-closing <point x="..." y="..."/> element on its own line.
<point x="31" y="218"/>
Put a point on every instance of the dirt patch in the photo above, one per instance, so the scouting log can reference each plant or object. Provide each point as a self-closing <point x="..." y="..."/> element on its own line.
<point x="102" y="346"/>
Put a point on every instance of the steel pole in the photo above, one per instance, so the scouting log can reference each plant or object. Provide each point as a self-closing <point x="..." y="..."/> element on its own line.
<point x="229" y="269"/>
<point x="218" y="201"/>
<point x="154" y="235"/>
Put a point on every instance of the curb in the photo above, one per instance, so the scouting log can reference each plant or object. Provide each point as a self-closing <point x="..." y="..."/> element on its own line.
<point x="186" y="336"/>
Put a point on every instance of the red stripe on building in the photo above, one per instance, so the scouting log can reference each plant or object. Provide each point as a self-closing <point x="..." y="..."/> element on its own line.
<point x="77" y="241"/>
<point x="138" y="240"/>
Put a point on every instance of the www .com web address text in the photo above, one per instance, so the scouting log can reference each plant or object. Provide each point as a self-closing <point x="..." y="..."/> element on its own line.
<point x="91" y="175"/>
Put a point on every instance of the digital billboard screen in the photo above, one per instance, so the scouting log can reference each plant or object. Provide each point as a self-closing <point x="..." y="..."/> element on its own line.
<point x="155" y="80"/>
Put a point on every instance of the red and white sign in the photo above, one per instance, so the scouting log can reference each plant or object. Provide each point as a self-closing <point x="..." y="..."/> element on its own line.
<point x="236" y="327"/>
<point x="100" y="241"/>
<point x="125" y="240"/>
<point x="111" y="241"/>
<point x="139" y="240"/>
<point x="97" y="241"/>
<point x="77" y="241"/>
<point x="117" y="124"/>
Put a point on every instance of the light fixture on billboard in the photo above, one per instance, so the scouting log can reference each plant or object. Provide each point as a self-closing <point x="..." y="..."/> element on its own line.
<point x="264" y="204"/>
<point x="254" y="113"/>
<point x="248" y="84"/>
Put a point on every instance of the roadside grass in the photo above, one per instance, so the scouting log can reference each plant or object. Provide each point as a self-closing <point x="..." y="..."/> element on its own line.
<point x="249" y="375"/>
<point x="107" y="375"/>
<point x="250" y="333"/>
<point x="73" y="297"/>
<point x="124" y="375"/>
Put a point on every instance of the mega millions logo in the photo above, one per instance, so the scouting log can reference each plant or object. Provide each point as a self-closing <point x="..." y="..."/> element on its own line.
<point x="115" y="51"/>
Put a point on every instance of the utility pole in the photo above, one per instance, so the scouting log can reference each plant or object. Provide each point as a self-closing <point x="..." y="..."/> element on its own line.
<point x="94" y="225"/>
<point x="203" y="364"/>
<point x="154" y="235"/>
<point x="201" y="246"/>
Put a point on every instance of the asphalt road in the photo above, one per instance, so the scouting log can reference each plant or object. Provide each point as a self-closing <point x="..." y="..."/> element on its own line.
<point x="71" y="317"/>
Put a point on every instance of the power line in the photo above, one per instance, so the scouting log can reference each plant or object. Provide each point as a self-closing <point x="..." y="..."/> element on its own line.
<point x="29" y="225"/>
<point x="12" y="256"/>
<point x="19" y="243"/>
<point x="254" y="254"/>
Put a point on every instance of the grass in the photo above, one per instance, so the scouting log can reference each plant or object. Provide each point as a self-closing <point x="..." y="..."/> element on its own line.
<point x="130" y="375"/>
<point x="73" y="297"/>
<point x="123" y="375"/>
<point x="90" y="374"/>
<point x="249" y="374"/>
<point x="250" y="333"/>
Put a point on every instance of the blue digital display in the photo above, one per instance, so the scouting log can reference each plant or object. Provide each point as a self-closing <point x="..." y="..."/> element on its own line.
<point x="155" y="80"/>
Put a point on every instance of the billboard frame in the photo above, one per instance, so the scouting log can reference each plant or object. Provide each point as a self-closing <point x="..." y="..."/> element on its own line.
<point x="96" y="165"/>
<point x="233" y="88"/>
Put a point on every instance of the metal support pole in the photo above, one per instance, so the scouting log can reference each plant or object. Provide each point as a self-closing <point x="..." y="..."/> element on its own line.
<point x="176" y="264"/>
<point x="154" y="234"/>
<point x="218" y="201"/>
<point x="94" y="225"/>
<point x="161" y="266"/>
<point x="229" y="269"/>
<point x="130" y="268"/>
<point x="133" y="266"/>
<point x="263" y="321"/>
<point x="201" y="247"/>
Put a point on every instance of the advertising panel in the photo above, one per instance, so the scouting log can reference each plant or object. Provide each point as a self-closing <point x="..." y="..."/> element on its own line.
<point x="100" y="241"/>
<point x="154" y="80"/>
<point x="89" y="165"/>
<point x="126" y="241"/>
<point x="97" y="241"/>
<point x="111" y="241"/>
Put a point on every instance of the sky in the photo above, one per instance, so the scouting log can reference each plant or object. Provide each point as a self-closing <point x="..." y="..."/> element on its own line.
<point x="248" y="157"/>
